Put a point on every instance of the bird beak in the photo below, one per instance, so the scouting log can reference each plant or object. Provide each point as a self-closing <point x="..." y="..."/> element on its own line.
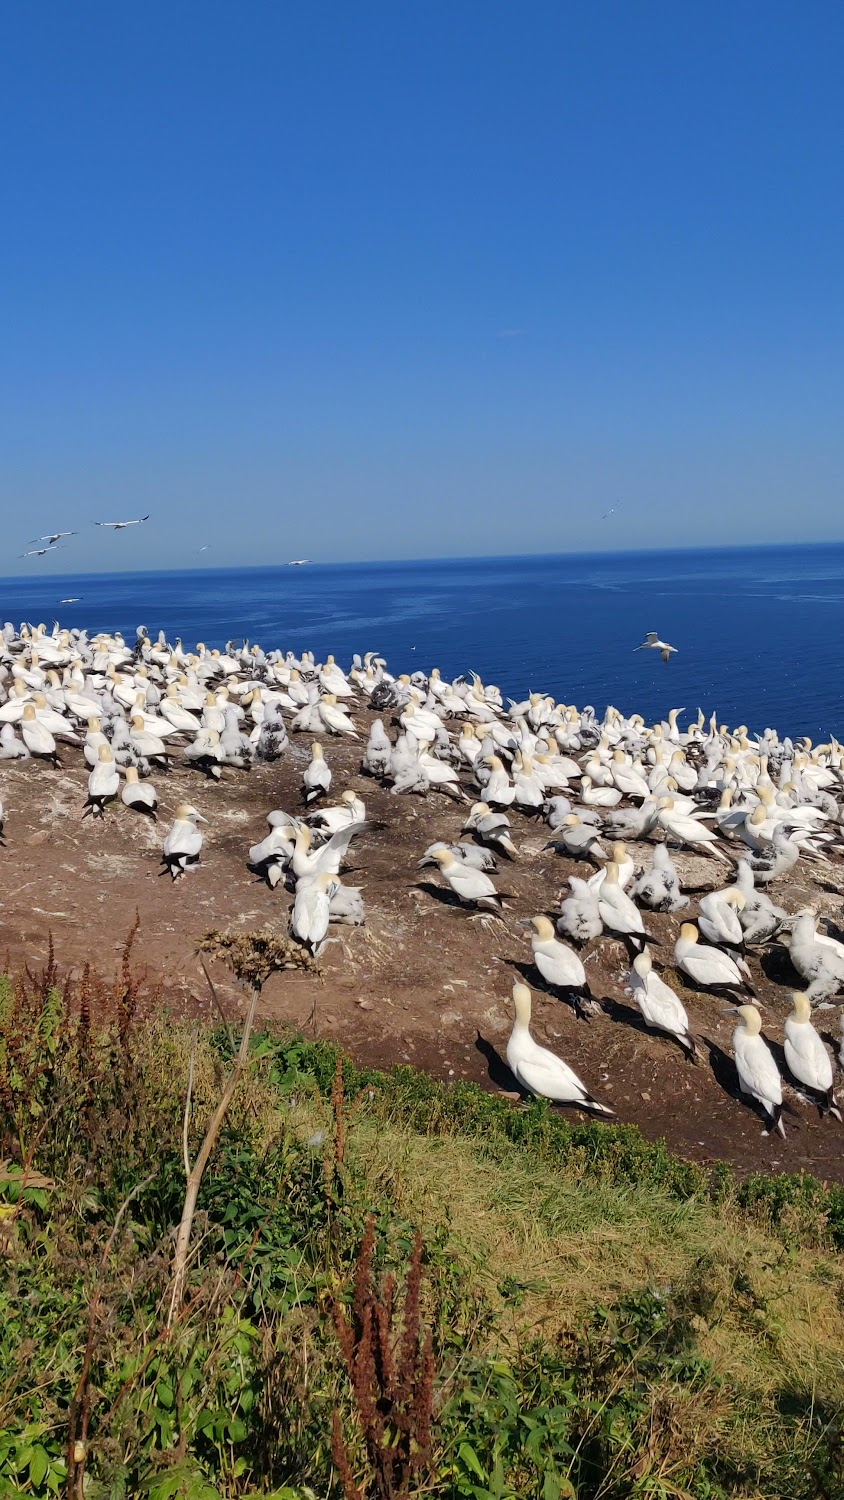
<point x="200" y="819"/>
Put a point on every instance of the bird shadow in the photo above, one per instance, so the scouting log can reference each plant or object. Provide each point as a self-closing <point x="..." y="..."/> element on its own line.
<point x="777" y="966"/>
<point x="445" y="897"/>
<point x="497" y="1069"/>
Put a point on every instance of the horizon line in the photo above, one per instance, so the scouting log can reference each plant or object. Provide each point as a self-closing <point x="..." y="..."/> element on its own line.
<point x="387" y="562"/>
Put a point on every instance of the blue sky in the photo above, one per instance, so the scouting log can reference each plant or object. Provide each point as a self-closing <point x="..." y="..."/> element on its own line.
<point x="394" y="280"/>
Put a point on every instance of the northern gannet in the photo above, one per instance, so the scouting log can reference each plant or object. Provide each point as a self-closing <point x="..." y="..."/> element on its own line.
<point x="705" y="966"/>
<point x="183" y="843"/>
<point x="652" y="642"/>
<point x="317" y="775"/>
<point x="472" y="887"/>
<point x="661" y="1009"/>
<point x="103" y="782"/>
<point x="141" y="796"/>
<point x="558" y="965"/>
<point x="758" y="1073"/>
<point x="539" y="1071"/>
<point x="806" y="1056"/>
<point x="121" y="525"/>
<point x="659" y="887"/>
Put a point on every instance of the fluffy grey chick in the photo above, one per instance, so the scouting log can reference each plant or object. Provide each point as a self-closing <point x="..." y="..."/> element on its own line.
<point x="659" y="887"/>
<point x="579" y="917"/>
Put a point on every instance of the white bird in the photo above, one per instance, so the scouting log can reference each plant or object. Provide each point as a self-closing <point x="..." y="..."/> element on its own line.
<point x="183" y="843"/>
<point x="36" y="736"/>
<point x="39" y="551"/>
<point x="617" y="911"/>
<point x="807" y="1058"/>
<point x="141" y="796"/>
<point x="624" y="865"/>
<point x="652" y="642"/>
<point x="472" y="887"/>
<point x="558" y="964"/>
<point x="758" y="1073"/>
<point x="539" y="1071"/>
<point x="311" y="910"/>
<point x="686" y="829"/>
<point x="818" y="960"/>
<point x="52" y="538"/>
<point x="718" y="917"/>
<point x="317" y="776"/>
<point x="661" y="1009"/>
<point x="121" y="525"/>
<point x="706" y="966"/>
<point x="103" y="782"/>
<point x="490" y="828"/>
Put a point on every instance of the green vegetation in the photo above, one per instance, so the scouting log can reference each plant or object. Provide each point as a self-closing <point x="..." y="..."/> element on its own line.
<point x="394" y="1287"/>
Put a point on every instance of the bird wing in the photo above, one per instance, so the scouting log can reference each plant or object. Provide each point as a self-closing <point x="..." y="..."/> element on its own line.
<point x="550" y="1077"/>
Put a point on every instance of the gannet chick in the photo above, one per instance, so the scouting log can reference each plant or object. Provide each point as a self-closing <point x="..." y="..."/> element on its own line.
<point x="539" y="1071"/>
<point x="661" y="1009"/>
<point x="184" y="841"/>
<point x="469" y="854"/>
<point x="311" y="910"/>
<point x="103" y="782"/>
<point x="141" y="796"/>
<point x="775" y="859"/>
<point x="579" y="917"/>
<point x="758" y="1073"/>
<point x="559" y="966"/>
<point x="490" y="828"/>
<point x="472" y="887"/>
<point x="705" y="966"/>
<point x="317" y="777"/>
<point x="11" y="747"/>
<point x="376" y="756"/>
<point x="631" y="822"/>
<point x="820" y="963"/>
<point x="659" y="887"/>
<point x="346" y="905"/>
<point x="652" y="642"/>
<point x="807" y="1058"/>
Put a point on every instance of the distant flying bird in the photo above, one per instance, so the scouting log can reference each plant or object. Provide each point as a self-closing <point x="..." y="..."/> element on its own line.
<point x="205" y="548"/>
<point x="54" y="536"/>
<point x="121" y="525"/>
<point x="611" y="512"/>
<point x="71" y="601"/>
<point x="298" y="562"/>
<point x="652" y="642"/>
<point x="40" y="551"/>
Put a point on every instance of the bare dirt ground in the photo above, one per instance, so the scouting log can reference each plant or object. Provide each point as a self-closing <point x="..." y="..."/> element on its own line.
<point x="423" y="982"/>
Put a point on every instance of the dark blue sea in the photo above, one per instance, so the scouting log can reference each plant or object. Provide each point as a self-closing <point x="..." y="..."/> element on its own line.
<point x="760" y="631"/>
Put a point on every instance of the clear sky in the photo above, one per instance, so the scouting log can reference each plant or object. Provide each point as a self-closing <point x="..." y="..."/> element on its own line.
<point x="407" y="279"/>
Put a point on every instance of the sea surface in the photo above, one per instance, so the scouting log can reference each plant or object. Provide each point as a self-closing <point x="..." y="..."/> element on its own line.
<point x="759" y="632"/>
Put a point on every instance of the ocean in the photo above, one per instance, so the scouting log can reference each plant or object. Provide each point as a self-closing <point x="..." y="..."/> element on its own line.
<point x="759" y="631"/>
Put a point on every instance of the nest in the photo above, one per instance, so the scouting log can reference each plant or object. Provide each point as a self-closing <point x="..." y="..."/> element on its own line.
<point x="254" y="956"/>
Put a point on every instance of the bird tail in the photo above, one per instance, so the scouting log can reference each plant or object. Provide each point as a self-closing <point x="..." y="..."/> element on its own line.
<point x="596" y="1108"/>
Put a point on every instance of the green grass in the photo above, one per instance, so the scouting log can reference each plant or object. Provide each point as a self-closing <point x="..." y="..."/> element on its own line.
<point x="607" y="1320"/>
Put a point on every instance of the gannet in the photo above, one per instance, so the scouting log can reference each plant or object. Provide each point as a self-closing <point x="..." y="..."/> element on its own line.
<point x="103" y="782"/>
<point x="652" y="642"/>
<point x="472" y="887"/>
<point x="36" y="736"/>
<point x="807" y="1058"/>
<point x="311" y="910"/>
<point x="473" y="855"/>
<point x="328" y="820"/>
<point x="624" y="865"/>
<point x="184" y="841"/>
<point x="490" y="828"/>
<point x="376" y="756"/>
<point x="661" y="1009"/>
<point x="52" y="538"/>
<point x="540" y="1071"/>
<point x="686" y="829"/>
<point x="579" y="917"/>
<point x="141" y="796"/>
<point x="718" y="917"/>
<point x="817" y="959"/>
<point x="559" y="966"/>
<point x="760" y="918"/>
<point x="619" y="914"/>
<point x="580" y="840"/>
<point x="317" y="775"/>
<point x="121" y="525"/>
<point x="659" y="887"/>
<point x="706" y="966"/>
<point x="758" y="1073"/>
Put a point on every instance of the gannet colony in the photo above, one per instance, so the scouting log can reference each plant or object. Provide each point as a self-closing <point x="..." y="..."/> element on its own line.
<point x="625" y="808"/>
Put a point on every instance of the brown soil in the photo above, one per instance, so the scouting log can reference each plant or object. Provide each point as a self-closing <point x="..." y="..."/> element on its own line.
<point x="423" y="982"/>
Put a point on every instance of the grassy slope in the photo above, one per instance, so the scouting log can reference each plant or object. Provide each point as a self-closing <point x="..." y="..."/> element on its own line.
<point x="666" y="1333"/>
